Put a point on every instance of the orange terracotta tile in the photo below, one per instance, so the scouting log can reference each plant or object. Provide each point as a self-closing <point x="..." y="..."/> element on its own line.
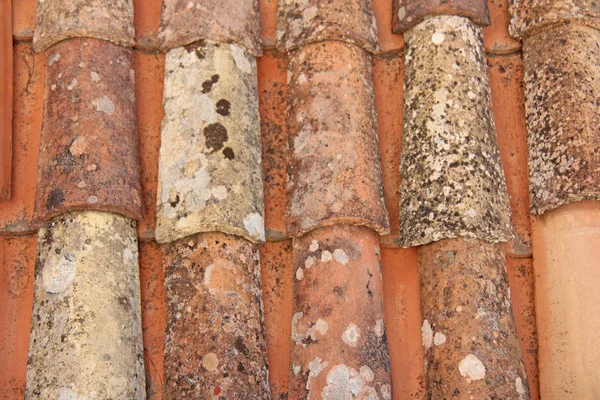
<point x="409" y="13"/>
<point x="508" y="106"/>
<point x="277" y="273"/>
<point x="268" y="22"/>
<point x="566" y="250"/>
<point x="273" y="104"/>
<point x="339" y="348"/>
<point x="16" y="214"/>
<point x="522" y="296"/>
<point x="333" y="163"/>
<point x="23" y="12"/>
<point x="154" y="316"/>
<point x="402" y="306"/>
<point x="6" y="93"/>
<point x="149" y="78"/>
<point x="89" y="151"/>
<point x="496" y="38"/>
<point x="146" y="17"/>
<point x="388" y="83"/>
<point x="17" y="262"/>
<point x="388" y="41"/>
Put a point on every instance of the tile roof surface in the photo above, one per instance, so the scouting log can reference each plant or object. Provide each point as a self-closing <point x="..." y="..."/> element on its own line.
<point x="227" y="188"/>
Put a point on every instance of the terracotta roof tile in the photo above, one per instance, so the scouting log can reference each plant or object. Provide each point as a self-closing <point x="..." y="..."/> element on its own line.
<point x="496" y="38"/>
<point x="388" y="41"/>
<point x="564" y="146"/>
<point x="453" y="180"/>
<point x="6" y="92"/>
<point x="17" y="263"/>
<point x="467" y="322"/>
<point x="530" y="17"/>
<point x="88" y="155"/>
<point x="215" y="338"/>
<point x="268" y="22"/>
<point x="338" y="331"/>
<point x="333" y="162"/>
<point x="58" y="20"/>
<point x="16" y="214"/>
<point x="274" y="108"/>
<point x="302" y="22"/>
<point x="23" y="19"/>
<point x="409" y="13"/>
<point x="210" y="174"/>
<point x="149" y="82"/>
<point x="226" y="21"/>
<point x="87" y="277"/>
<point x="277" y="276"/>
<point x="146" y="18"/>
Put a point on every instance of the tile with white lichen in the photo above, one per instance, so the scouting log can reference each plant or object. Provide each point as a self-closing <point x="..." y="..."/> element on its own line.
<point x="409" y="13"/>
<point x="215" y="339"/>
<point x="563" y="125"/>
<point x="529" y="17"/>
<point x="339" y="342"/>
<point x="302" y="22"/>
<point x="334" y="171"/>
<point x="453" y="183"/>
<point x="88" y="156"/>
<point x="210" y="173"/>
<point x="57" y="20"/>
<point x="86" y="335"/>
<point x="227" y="21"/>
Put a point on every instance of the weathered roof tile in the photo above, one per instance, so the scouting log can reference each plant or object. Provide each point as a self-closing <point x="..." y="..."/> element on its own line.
<point x="23" y="19"/>
<point x="334" y="173"/>
<point x="58" y="20"/>
<point x="146" y="18"/>
<point x="302" y="22"/>
<point x="388" y="41"/>
<point x="89" y="151"/>
<point x="563" y="125"/>
<point x="496" y="37"/>
<point x="6" y="93"/>
<point x="409" y="13"/>
<point x="210" y="174"/>
<point x="227" y="21"/>
<point x="453" y="184"/>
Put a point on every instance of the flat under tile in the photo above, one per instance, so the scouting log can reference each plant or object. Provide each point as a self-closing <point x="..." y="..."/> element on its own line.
<point x="89" y="148"/>
<point x="409" y="13"/>
<point x="146" y="18"/>
<point x="388" y="41"/>
<point x="6" y="93"/>
<point x="496" y="37"/>
<point x="23" y="19"/>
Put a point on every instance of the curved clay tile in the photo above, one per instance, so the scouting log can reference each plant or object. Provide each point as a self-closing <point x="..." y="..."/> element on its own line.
<point x="469" y="337"/>
<point x="339" y="342"/>
<point x="453" y="184"/>
<point x="302" y="22"/>
<point x="215" y="339"/>
<point x="58" y="20"/>
<point x="227" y="21"/>
<point x="409" y="13"/>
<point x="334" y="173"/>
<point x="210" y="174"/>
<point x="86" y="335"/>
<point x="562" y="88"/>
<point x="89" y="151"/>
<point x="529" y="17"/>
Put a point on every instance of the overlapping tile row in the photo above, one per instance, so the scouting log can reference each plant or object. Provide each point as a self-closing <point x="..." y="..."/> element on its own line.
<point x="87" y="288"/>
<point x="409" y="13"/>
<point x="210" y="206"/>
<point x="562" y="83"/>
<point x="454" y="203"/>
<point x="335" y="205"/>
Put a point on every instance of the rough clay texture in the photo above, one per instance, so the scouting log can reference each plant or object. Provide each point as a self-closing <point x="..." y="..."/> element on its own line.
<point x="469" y="338"/>
<point x="453" y="184"/>
<point x="334" y="172"/>
<point x="228" y="21"/>
<point x="339" y="343"/>
<point x="409" y="13"/>
<point x="210" y="173"/>
<point x="89" y="150"/>
<point x="562" y="92"/>
<point x="215" y="339"/>
<point x="529" y="17"/>
<point x="302" y="22"/>
<point x="57" y="20"/>
<point x="86" y="336"/>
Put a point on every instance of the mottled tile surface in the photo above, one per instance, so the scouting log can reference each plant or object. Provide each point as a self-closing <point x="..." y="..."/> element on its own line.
<point x="409" y="13"/>
<point x="453" y="184"/>
<point x="334" y="172"/>
<point x="210" y="173"/>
